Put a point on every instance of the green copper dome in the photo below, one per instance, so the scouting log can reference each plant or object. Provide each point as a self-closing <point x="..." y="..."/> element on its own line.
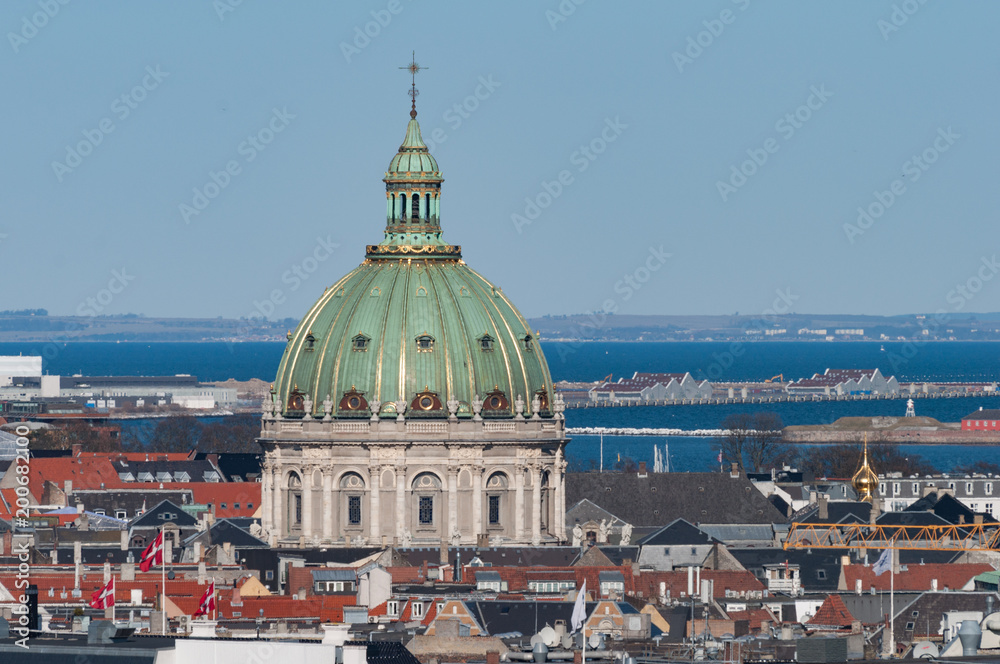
<point x="413" y="157"/>
<point x="413" y="324"/>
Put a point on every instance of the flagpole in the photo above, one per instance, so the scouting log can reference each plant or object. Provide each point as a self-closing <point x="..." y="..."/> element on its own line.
<point x="892" y="602"/>
<point x="163" y="573"/>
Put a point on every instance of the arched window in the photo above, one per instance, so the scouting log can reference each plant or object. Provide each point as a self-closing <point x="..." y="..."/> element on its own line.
<point x="402" y="207"/>
<point x="353" y="486"/>
<point x="496" y="486"/>
<point x="426" y="485"/>
<point x="427" y="206"/>
<point x="294" y="500"/>
<point x="486" y="343"/>
<point x="415" y="208"/>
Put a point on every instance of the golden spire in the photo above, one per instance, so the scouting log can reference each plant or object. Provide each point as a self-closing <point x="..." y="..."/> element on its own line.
<point x="865" y="480"/>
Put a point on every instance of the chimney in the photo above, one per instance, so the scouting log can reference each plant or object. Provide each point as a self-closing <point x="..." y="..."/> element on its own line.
<point x="77" y="449"/>
<point x="734" y="470"/>
<point x="642" y="469"/>
<point x="68" y="487"/>
<point x="824" y="509"/>
<point x="978" y="519"/>
<point x="961" y="519"/>
<point x="443" y="552"/>
<point x="934" y="585"/>
<point x="124" y="540"/>
<point x="857" y="586"/>
<point x="493" y="657"/>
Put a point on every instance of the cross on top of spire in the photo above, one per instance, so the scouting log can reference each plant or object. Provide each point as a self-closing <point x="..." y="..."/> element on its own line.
<point x="414" y="69"/>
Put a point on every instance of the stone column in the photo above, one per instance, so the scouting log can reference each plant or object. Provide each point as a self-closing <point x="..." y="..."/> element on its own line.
<point x="477" y="501"/>
<point x="558" y="526"/>
<point x="536" y="505"/>
<point x="267" y="515"/>
<point x="402" y="522"/>
<point x="328" y="503"/>
<point x="562" y="498"/>
<point x="276" y="494"/>
<point x="307" y="503"/>
<point x="375" y="504"/>
<point x="452" y="502"/>
<point x="519" y="502"/>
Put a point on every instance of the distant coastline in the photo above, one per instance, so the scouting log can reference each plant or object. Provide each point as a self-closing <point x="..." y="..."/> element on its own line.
<point x="37" y="326"/>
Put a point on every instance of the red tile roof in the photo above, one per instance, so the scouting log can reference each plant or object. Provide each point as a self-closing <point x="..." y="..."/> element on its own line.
<point x="676" y="583"/>
<point x="916" y="577"/>
<point x="832" y="613"/>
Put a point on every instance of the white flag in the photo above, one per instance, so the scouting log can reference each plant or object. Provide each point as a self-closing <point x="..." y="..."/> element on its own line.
<point x="884" y="563"/>
<point x="579" y="608"/>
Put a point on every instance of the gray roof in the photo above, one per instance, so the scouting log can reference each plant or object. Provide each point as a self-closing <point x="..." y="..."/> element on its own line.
<point x="334" y="575"/>
<point x="725" y="532"/>
<point x="656" y="499"/>
<point x="486" y="576"/>
<point x="610" y="577"/>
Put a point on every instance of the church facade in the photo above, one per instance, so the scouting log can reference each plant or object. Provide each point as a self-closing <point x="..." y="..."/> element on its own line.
<point x="413" y="404"/>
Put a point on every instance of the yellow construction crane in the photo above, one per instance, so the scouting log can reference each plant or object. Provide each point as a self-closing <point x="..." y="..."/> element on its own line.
<point x="780" y="376"/>
<point x="963" y="537"/>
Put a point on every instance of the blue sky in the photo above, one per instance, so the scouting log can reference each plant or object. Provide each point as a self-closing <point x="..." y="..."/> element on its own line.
<point x="652" y="158"/>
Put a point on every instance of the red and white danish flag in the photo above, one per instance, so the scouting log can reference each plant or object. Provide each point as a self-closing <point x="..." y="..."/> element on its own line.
<point x="207" y="601"/>
<point x="153" y="555"/>
<point x="104" y="597"/>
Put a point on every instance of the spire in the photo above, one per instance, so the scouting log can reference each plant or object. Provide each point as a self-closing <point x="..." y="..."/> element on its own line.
<point x="414" y="69"/>
<point x="865" y="480"/>
<point x="413" y="196"/>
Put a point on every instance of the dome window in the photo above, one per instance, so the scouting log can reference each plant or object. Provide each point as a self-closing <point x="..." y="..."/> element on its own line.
<point x="496" y="400"/>
<point x="421" y="291"/>
<point x="527" y="342"/>
<point x="353" y="401"/>
<point x="296" y="401"/>
<point x="486" y="343"/>
<point x="359" y="342"/>
<point x="376" y="292"/>
<point x="426" y="401"/>
<point x="425" y="343"/>
<point x="310" y="341"/>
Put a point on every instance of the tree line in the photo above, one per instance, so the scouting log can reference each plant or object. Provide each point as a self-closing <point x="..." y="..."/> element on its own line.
<point x="184" y="433"/>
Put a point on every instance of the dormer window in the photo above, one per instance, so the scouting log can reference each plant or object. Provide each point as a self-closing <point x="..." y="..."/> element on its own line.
<point x="360" y="342"/>
<point x="425" y="343"/>
<point x="527" y="341"/>
<point x="486" y="343"/>
<point x="310" y="342"/>
<point x="353" y="400"/>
